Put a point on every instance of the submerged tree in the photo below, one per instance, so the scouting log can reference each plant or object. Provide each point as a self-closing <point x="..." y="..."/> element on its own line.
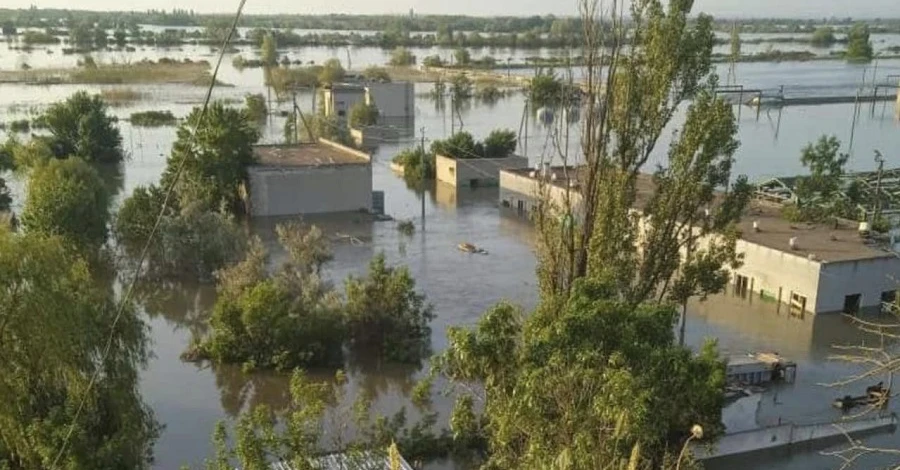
<point x="821" y="197"/>
<point x="859" y="46"/>
<point x="55" y="323"/>
<point x="80" y="126"/>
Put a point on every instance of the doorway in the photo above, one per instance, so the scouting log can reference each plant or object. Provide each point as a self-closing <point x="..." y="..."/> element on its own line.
<point x="851" y="303"/>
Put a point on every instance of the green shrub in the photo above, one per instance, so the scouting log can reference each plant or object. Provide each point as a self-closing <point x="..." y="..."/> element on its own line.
<point x="153" y="119"/>
<point x="255" y="107"/>
<point x="416" y="167"/>
<point x="401" y="56"/>
<point x="433" y="61"/>
<point x="362" y="115"/>
<point x="499" y="143"/>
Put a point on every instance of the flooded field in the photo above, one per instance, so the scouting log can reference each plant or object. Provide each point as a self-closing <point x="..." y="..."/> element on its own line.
<point x="189" y="399"/>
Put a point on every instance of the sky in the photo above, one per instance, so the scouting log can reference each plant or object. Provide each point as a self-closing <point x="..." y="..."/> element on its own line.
<point x="722" y="8"/>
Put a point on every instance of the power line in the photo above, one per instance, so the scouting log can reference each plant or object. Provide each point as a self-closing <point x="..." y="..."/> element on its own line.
<point x="146" y="248"/>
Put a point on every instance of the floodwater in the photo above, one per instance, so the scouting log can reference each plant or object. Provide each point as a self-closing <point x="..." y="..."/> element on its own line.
<point x="189" y="399"/>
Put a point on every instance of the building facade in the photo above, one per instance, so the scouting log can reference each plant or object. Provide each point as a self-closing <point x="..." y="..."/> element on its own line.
<point x="811" y="269"/>
<point x="309" y="178"/>
<point x="474" y="172"/>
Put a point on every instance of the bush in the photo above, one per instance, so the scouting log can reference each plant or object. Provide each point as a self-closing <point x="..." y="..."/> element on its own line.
<point x="20" y="126"/>
<point x="255" y="107"/>
<point x="500" y="144"/>
<point x="544" y="90"/>
<point x="402" y="57"/>
<point x="433" y="61"/>
<point x="153" y="119"/>
<point x="385" y="314"/>
<point x="823" y="37"/>
<point x="459" y="145"/>
<point x="414" y="171"/>
<point x="460" y="87"/>
<point x="331" y="72"/>
<point x="377" y="74"/>
<point x="462" y="57"/>
<point x="362" y="115"/>
<point x="488" y="93"/>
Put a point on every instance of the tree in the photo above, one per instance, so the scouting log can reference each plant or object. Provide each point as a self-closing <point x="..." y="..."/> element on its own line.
<point x="120" y="37"/>
<point x="100" y="38"/>
<point x="67" y="198"/>
<point x="596" y="382"/>
<point x="818" y="196"/>
<point x="386" y="315"/>
<point x="215" y="154"/>
<point x="859" y="47"/>
<point x="544" y="89"/>
<point x="823" y="36"/>
<point x="363" y="114"/>
<point x="433" y="61"/>
<point x="331" y="72"/>
<point x="417" y="165"/>
<point x="402" y="57"/>
<point x="376" y="74"/>
<point x="56" y="323"/>
<point x="462" y="57"/>
<point x="499" y="143"/>
<point x="282" y="321"/>
<point x="459" y="145"/>
<point x="460" y="88"/>
<point x="255" y="107"/>
<point x="80" y="37"/>
<point x="81" y="127"/>
<point x="269" y="51"/>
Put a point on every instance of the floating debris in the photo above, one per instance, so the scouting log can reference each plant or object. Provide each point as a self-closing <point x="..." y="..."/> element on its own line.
<point x="470" y="248"/>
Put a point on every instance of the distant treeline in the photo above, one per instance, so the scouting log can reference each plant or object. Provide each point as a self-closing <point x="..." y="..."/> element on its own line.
<point x="412" y="22"/>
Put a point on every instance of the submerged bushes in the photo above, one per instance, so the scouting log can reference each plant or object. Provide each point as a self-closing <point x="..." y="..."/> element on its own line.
<point x="153" y="119"/>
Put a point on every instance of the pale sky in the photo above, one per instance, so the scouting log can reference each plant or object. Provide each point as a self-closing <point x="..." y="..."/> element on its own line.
<point x="724" y="8"/>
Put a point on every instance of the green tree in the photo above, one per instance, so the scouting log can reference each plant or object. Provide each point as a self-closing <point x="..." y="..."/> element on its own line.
<point x="100" y="38"/>
<point x="282" y="321"/>
<point x="460" y="88"/>
<point x="544" y="89"/>
<point x="120" y="37"/>
<point x="459" y="145"/>
<point x="56" y="323"/>
<point x="331" y="72"/>
<point x="823" y="37"/>
<point x="215" y="154"/>
<point x="500" y="143"/>
<point x="401" y="57"/>
<point x="386" y="315"/>
<point x="376" y="74"/>
<point x="735" y="44"/>
<point x="462" y="57"/>
<point x="268" y="52"/>
<point x="859" y="47"/>
<point x="80" y="37"/>
<point x="80" y="126"/>
<point x="433" y="61"/>
<point x="417" y="165"/>
<point x="67" y="198"/>
<point x="818" y="196"/>
<point x="363" y="114"/>
<point x="255" y="107"/>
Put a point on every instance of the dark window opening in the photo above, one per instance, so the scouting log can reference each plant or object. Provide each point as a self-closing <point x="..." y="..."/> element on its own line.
<point x="851" y="303"/>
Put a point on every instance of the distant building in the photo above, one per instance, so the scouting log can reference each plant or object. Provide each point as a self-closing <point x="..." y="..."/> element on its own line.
<point x="475" y="172"/>
<point x="396" y="101"/>
<point x="309" y="178"/>
<point x="341" y="97"/>
<point x="809" y="268"/>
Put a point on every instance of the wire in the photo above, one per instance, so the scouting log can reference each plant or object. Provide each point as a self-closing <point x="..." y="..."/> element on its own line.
<point x="146" y="248"/>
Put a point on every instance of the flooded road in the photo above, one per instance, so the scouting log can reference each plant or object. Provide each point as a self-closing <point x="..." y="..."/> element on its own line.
<point x="189" y="399"/>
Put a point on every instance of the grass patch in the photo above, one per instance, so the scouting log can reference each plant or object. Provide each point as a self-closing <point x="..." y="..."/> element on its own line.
<point x="120" y="96"/>
<point x="164" y="71"/>
<point x="153" y="119"/>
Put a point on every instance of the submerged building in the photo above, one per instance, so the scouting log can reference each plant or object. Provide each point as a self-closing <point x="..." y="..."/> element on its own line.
<point x="308" y="178"/>
<point x="812" y="268"/>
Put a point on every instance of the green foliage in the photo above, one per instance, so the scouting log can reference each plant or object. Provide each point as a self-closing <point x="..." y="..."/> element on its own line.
<point x="333" y="129"/>
<point x="153" y="118"/>
<point x="376" y="74"/>
<point x="416" y="166"/>
<point x="20" y="126"/>
<point x="268" y="51"/>
<point x="460" y="87"/>
<point x="5" y="196"/>
<point x="462" y="57"/>
<point x="56" y="324"/>
<point x="859" y="47"/>
<point x="81" y="127"/>
<point x="120" y="37"/>
<point x="67" y="198"/>
<point x="402" y="57"/>
<point x="823" y="37"/>
<point x="255" y="107"/>
<point x="545" y="89"/>
<point x="100" y="38"/>
<point x="820" y="196"/>
<point x="406" y="227"/>
<point x="332" y="71"/>
<point x="362" y="115"/>
<point x="500" y="143"/>
<point x="433" y="61"/>
<point x="38" y="37"/>
<point x="282" y="321"/>
<point x="215" y="157"/>
<point x="80" y="37"/>
<point x="550" y="383"/>
<point x="488" y="93"/>
<point x="137" y="215"/>
<point x="386" y="315"/>
<point x="459" y="145"/>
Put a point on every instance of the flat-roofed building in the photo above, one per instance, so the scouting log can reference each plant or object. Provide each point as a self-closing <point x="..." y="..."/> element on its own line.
<point x="309" y="178"/>
<point x="812" y="268"/>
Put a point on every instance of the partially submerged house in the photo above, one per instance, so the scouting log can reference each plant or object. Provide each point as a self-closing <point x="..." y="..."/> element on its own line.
<point x="396" y="101"/>
<point x="475" y="172"/>
<point x="812" y="268"/>
<point x="308" y="178"/>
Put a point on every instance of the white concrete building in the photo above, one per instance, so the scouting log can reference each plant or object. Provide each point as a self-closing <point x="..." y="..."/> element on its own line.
<point x="340" y="97"/>
<point x="826" y="270"/>
<point x="396" y="102"/>
<point x="474" y="172"/>
<point x="309" y="178"/>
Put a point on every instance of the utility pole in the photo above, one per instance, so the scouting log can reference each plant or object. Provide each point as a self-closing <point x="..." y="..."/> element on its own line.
<point x="422" y="149"/>
<point x="877" y="213"/>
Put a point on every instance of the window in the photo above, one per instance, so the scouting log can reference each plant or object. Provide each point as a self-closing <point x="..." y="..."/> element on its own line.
<point x="851" y="303"/>
<point x="798" y="304"/>
<point x="521" y="207"/>
<point x="741" y="286"/>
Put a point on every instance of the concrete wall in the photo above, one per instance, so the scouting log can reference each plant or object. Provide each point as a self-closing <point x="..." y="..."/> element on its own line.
<point x="309" y="190"/>
<point x="774" y="272"/>
<point x="475" y="171"/>
<point x="394" y="100"/>
<point x="867" y="277"/>
<point x="338" y="101"/>
<point x="516" y="188"/>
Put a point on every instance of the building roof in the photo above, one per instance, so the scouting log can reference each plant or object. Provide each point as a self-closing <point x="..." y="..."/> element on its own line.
<point x="818" y="242"/>
<point x="311" y="154"/>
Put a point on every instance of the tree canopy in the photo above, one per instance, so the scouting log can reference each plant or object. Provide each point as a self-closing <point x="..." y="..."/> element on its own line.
<point x="80" y="126"/>
<point x="859" y="47"/>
